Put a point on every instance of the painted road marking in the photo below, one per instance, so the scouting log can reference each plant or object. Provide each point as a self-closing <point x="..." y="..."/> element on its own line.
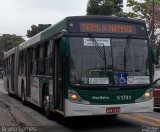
<point x="143" y="118"/>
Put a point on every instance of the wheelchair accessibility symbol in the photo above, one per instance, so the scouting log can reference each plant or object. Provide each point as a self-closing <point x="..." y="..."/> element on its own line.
<point x="122" y="78"/>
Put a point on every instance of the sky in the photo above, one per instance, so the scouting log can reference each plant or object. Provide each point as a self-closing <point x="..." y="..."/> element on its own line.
<point x="17" y="16"/>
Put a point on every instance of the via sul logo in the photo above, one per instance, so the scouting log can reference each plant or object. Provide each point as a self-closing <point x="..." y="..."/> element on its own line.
<point x="122" y="78"/>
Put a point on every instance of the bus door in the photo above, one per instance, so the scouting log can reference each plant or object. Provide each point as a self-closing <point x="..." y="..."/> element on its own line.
<point x="16" y="59"/>
<point x="28" y="72"/>
<point x="12" y="73"/>
<point x="58" y="77"/>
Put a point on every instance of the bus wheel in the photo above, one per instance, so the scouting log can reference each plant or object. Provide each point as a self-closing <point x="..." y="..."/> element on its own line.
<point x="23" y="96"/>
<point x="8" y="88"/>
<point x="46" y="104"/>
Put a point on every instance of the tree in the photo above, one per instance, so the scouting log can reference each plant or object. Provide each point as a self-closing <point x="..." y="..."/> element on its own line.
<point x="147" y="10"/>
<point x="36" y="29"/>
<point x="104" y="7"/>
<point x="8" y="41"/>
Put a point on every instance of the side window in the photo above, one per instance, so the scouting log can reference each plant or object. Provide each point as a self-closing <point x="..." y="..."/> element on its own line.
<point x="41" y="53"/>
<point x="8" y="60"/>
<point x="9" y="69"/>
<point x="45" y="51"/>
<point x="6" y="66"/>
<point x="20" y="60"/>
<point x="33" y="60"/>
<point x="40" y="59"/>
<point x="49" y="59"/>
<point x="158" y="83"/>
<point x="33" y="53"/>
<point x="23" y="63"/>
<point x="50" y="50"/>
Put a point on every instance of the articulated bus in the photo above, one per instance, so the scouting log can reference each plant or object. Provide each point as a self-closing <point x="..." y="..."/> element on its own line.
<point x="84" y="66"/>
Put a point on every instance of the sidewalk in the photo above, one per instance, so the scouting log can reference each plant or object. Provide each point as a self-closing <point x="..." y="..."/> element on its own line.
<point x="16" y="116"/>
<point x="6" y="119"/>
<point x="12" y="118"/>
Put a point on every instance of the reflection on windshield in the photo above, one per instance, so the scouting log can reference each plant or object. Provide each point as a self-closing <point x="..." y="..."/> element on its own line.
<point x="102" y="53"/>
<point x="131" y="58"/>
<point x="127" y="60"/>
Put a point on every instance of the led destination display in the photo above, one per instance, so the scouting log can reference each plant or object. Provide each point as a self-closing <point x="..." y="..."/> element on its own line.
<point x="107" y="28"/>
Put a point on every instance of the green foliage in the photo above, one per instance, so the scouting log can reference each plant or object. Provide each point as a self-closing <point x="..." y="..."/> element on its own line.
<point x="8" y="41"/>
<point x="146" y="10"/>
<point x="139" y="9"/>
<point x="105" y="7"/>
<point x="36" y="29"/>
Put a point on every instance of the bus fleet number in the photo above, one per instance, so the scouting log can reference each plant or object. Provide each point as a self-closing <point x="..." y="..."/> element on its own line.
<point x="124" y="97"/>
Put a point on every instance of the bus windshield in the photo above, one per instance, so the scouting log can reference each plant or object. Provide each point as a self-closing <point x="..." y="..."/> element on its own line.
<point x="111" y="61"/>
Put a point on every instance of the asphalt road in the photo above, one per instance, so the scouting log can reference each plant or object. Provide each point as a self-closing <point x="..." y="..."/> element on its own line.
<point x="31" y="116"/>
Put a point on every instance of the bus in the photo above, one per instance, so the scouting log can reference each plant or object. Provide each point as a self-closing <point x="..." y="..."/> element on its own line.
<point x="84" y="66"/>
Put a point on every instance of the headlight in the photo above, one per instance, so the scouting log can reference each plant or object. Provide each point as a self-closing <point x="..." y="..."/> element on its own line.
<point x="146" y="96"/>
<point x="75" y="98"/>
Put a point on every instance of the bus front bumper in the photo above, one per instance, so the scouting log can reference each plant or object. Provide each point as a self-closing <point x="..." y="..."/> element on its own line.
<point x="73" y="109"/>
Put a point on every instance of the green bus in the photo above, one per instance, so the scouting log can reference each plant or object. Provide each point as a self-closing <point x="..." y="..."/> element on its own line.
<point x="84" y="66"/>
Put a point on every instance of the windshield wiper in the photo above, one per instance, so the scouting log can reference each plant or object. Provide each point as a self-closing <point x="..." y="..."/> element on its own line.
<point x="101" y="53"/>
<point x="98" y="49"/>
<point x="126" y="53"/>
<point x="124" y="60"/>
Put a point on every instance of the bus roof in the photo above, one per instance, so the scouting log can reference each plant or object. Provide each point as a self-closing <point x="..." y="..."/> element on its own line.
<point x="104" y="18"/>
<point x="30" y="42"/>
<point x="9" y="53"/>
<point x="62" y="25"/>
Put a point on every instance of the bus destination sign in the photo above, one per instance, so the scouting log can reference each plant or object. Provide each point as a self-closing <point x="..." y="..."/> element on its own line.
<point x="107" y="28"/>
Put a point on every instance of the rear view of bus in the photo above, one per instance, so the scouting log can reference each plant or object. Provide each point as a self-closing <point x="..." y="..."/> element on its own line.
<point x="110" y="67"/>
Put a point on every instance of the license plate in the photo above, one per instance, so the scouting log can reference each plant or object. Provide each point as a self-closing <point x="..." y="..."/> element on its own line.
<point x="113" y="110"/>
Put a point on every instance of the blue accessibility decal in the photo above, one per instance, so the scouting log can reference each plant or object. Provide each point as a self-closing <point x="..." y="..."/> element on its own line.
<point x="122" y="78"/>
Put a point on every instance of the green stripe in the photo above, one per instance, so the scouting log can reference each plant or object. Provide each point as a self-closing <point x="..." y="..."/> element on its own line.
<point x="111" y="97"/>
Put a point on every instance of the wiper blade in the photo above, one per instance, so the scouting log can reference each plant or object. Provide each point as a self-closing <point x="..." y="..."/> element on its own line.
<point x="98" y="49"/>
<point x="125" y="60"/>
<point x="126" y="53"/>
<point x="101" y="53"/>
